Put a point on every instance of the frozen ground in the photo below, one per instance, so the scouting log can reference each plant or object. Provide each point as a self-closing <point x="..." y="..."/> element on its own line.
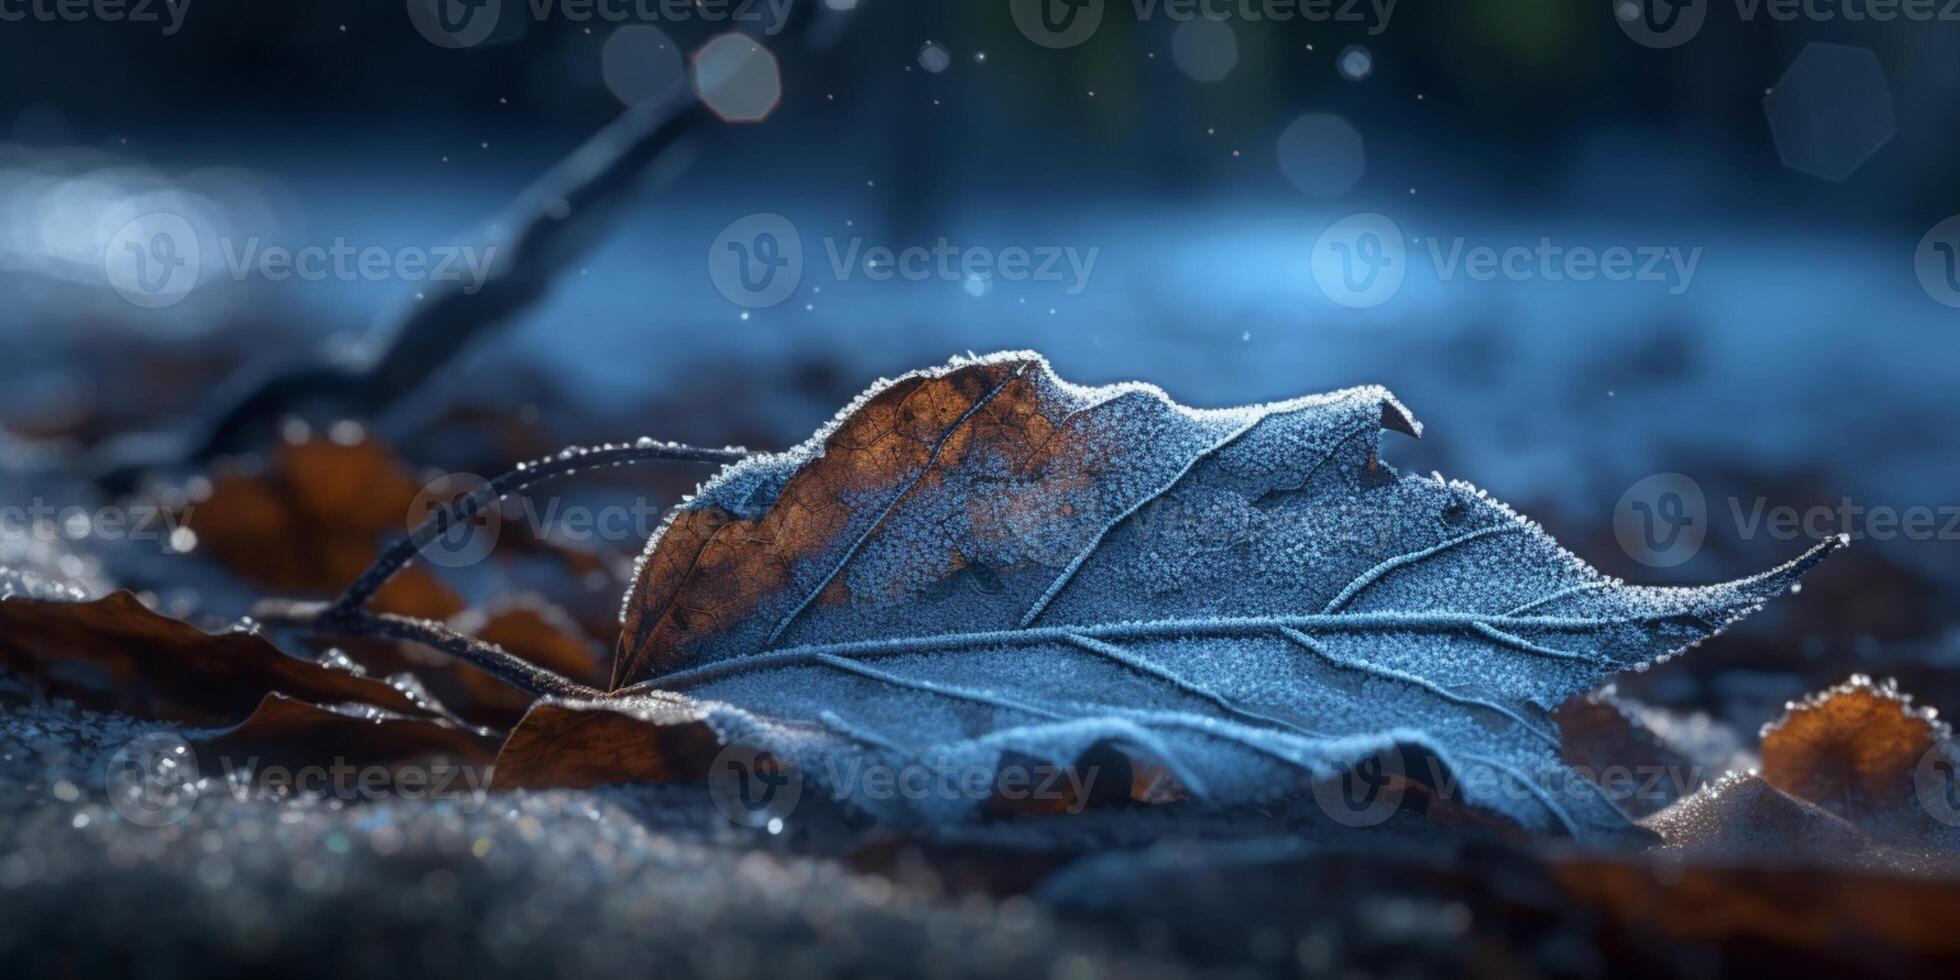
<point x="537" y="884"/>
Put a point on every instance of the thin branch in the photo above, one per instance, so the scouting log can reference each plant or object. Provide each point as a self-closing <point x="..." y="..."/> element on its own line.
<point x="490" y="658"/>
<point x="534" y="243"/>
<point x="399" y="554"/>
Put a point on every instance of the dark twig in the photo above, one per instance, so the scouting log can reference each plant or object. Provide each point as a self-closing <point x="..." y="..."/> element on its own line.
<point x="572" y="460"/>
<point x="345" y="617"/>
<point x="549" y="228"/>
<point x="490" y="658"/>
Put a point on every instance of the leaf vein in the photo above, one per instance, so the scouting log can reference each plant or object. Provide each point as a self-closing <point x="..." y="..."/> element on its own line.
<point x="938" y="447"/>
<point x="1307" y="643"/>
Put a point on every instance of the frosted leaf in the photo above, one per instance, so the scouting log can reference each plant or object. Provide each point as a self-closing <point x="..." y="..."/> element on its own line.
<point x="984" y="561"/>
<point x="1860" y="750"/>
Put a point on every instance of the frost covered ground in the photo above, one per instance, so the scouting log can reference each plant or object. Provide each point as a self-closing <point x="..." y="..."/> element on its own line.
<point x="537" y="884"/>
<point x="650" y="881"/>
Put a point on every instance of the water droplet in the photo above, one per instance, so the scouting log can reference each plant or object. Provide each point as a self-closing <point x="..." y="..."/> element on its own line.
<point x="1356" y="63"/>
<point x="934" y="57"/>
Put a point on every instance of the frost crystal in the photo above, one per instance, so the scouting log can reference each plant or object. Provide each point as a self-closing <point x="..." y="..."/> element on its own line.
<point x="986" y="561"/>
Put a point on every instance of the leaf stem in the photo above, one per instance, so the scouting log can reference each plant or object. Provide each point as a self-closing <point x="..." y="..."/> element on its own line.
<point x="404" y="550"/>
<point x="487" y="657"/>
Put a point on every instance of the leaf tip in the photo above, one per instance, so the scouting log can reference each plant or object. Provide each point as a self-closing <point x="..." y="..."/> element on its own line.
<point x="1396" y="416"/>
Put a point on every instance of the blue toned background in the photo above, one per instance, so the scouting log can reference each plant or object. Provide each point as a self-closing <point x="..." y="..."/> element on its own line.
<point x="1804" y="165"/>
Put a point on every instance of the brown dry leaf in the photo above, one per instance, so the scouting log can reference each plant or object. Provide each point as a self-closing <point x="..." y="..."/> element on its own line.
<point x="116" y="654"/>
<point x="291" y="732"/>
<point x="313" y="520"/>
<point x="537" y="631"/>
<point x="525" y="625"/>
<point x="577" y="745"/>
<point x="1843" y="912"/>
<point x="713" y="569"/>
<point x="1743" y="817"/>
<point x="1851" y="749"/>
<point x="1605" y="743"/>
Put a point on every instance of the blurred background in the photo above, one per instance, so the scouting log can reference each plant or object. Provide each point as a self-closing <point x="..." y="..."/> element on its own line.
<point x="1791" y="346"/>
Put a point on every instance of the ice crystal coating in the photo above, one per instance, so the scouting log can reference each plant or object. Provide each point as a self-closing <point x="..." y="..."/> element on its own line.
<point x="983" y="560"/>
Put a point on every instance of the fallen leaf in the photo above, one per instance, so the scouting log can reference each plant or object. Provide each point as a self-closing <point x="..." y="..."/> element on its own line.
<point x="537" y="631"/>
<point x="1861" y="914"/>
<point x="116" y="654"/>
<point x="1742" y="816"/>
<point x="525" y="625"/>
<point x="1852" y="749"/>
<point x="983" y="560"/>
<point x="580" y="744"/>
<point x="313" y="520"/>
<point x="290" y="732"/>
<point x="1608" y="744"/>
